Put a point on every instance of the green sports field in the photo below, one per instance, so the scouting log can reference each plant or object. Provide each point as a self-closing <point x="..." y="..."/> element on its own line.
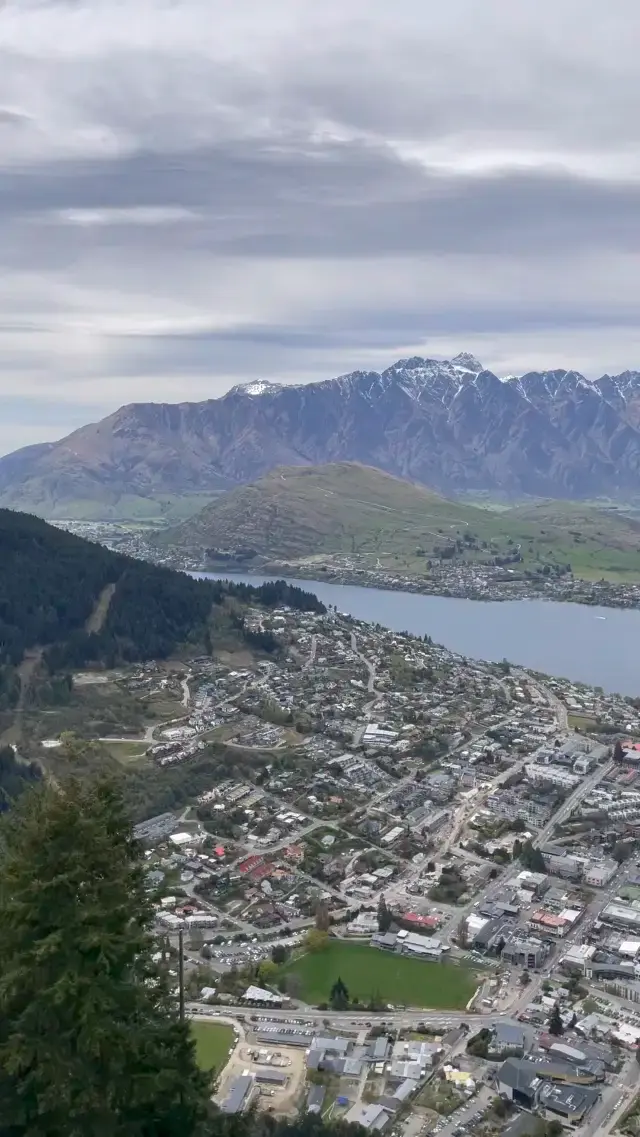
<point x="213" y="1043"/>
<point x="391" y="978"/>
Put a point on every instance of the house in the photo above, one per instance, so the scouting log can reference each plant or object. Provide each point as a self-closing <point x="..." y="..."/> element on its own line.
<point x="507" y="1040"/>
<point x="425" y="1053"/>
<point x="379" y="1049"/>
<point x="373" y="1117"/>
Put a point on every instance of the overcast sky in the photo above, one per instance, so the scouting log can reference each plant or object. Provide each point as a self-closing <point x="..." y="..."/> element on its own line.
<point x="194" y="193"/>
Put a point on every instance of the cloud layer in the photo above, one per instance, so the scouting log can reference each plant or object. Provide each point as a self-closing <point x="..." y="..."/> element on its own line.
<point x="193" y="194"/>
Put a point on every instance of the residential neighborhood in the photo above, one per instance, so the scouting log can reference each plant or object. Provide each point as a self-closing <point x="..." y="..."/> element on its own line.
<point x="435" y="836"/>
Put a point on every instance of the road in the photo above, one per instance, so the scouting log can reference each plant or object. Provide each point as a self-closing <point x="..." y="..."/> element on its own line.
<point x="342" y="1019"/>
<point x="551" y="698"/>
<point x="560" y="815"/>
<point x="367" y="662"/>
<point x="615" y="1100"/>
<point x="312" y="654"/>
<point x="582" y="791"/>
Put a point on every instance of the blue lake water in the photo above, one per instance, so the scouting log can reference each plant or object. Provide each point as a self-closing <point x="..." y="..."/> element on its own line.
<point x="600" y="646"/>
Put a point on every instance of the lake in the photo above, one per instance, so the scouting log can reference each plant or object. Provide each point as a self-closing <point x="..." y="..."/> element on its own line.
<point x="600" y="646"/>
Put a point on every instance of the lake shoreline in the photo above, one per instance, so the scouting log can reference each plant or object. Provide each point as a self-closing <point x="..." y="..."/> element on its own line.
<point x="594" y="645"/>
<point x="598" y="597"/>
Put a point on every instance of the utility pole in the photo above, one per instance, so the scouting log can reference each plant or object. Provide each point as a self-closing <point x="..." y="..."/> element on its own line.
<point x="181" y="972"/>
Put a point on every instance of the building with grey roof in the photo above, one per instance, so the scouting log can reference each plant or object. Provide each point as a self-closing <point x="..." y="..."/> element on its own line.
<point x="331" y="1045"/>
<point x="621" y="915"/>
<point x="379" y="1049"/>
<point x="372" y="1117"/>
<point x="315" y="1099"/>
<point x="405" y="1089"/>
<point x="270" y="1077"/>
<point x="239" y="1094"/>
<point x="529" y="952"/>
<point x="156" y="828"/>
<point x="570" y="1102"/>
<point x="401" y="1069"/>
<point x="352" y="1067"/>
<point x="518" y="1081"/>
<point x="281" y="1036"/>
<point x="508" y="1040"/>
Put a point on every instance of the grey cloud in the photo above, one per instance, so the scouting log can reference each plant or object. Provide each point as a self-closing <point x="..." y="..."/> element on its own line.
<point x="330" y="201"/>
<point x="329" y="185"/>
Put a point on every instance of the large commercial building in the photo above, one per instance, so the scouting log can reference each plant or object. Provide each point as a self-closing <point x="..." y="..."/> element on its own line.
<point x="551" y="776"/>
<point x="621" y="915"/>
<point x="239" y="1095"/>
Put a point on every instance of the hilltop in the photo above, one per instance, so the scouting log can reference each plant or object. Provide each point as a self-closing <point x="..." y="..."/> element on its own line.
<point x="303" y="515"/>
<point x="451" y="425"/>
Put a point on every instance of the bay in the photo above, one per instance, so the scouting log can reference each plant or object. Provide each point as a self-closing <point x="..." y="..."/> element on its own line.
<point x="599" y="646"/>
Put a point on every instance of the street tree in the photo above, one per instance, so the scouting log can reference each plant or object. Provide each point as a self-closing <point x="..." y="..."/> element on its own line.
<point x="323" y="919"/>
<point x="385" y="917"/>
<point x="90" y="1038"/>
<point x="316" y="941"/>
<point x="555" y="1022"/>
<point x="618" y="751"/>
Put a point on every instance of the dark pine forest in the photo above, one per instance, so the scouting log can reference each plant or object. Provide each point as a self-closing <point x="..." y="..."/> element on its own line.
<point x="79" y="604"/>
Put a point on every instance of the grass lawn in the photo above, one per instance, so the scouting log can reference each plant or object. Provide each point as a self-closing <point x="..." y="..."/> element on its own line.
<point x="213" y="1043"/>
<point x="127" y="752"/>
<point x="581" y="722"/>
<point x="393" y="978"/>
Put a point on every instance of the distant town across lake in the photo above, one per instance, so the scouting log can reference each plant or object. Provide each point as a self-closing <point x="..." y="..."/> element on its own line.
<point x="599" y="646"/>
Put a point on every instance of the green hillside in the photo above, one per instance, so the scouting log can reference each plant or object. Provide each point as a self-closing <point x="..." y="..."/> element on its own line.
<point x="67" y="603"/>
<point x="306" y="514"/>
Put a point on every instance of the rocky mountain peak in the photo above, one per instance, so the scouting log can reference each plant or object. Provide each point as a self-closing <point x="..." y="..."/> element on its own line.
<point x="467" y="362"/>
<point x="448" y="424"/>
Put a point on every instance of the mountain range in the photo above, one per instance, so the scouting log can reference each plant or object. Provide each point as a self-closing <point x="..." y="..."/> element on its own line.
<point x="451" y="425"/>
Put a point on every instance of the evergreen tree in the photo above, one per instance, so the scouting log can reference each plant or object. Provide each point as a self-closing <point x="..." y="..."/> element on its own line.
<point x="555" y="1022"/>
<point x="339" y="996"/>
<point x="323" y="918"/>
<point x="532" y="858"/>
<point x="90" y="1041"/>
<point x="385" y="917"/>
<point x="618" y="751"/>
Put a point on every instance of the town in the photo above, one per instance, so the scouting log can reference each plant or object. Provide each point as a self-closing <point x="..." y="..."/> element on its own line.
<point x="408" y="893"/>
<point x="471" y="580"/>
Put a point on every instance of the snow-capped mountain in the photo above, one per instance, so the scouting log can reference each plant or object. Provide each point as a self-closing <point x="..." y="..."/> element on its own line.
<point x="449" y="424"/>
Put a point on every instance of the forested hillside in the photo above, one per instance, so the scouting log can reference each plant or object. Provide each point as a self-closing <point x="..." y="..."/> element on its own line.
<point x="15" y="777"/>
<point x="78" y="603"/>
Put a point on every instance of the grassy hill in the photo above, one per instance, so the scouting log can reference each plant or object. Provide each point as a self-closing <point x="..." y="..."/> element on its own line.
<point x="304" y="515"/>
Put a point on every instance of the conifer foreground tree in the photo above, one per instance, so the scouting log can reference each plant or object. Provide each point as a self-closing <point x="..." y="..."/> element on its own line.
<point x="90" y="1041"/>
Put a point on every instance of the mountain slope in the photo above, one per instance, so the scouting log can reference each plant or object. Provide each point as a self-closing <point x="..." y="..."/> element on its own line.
<point x="66" y="602"/>
<point x="365" y="518"/>
<point x="448" y="424"/>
